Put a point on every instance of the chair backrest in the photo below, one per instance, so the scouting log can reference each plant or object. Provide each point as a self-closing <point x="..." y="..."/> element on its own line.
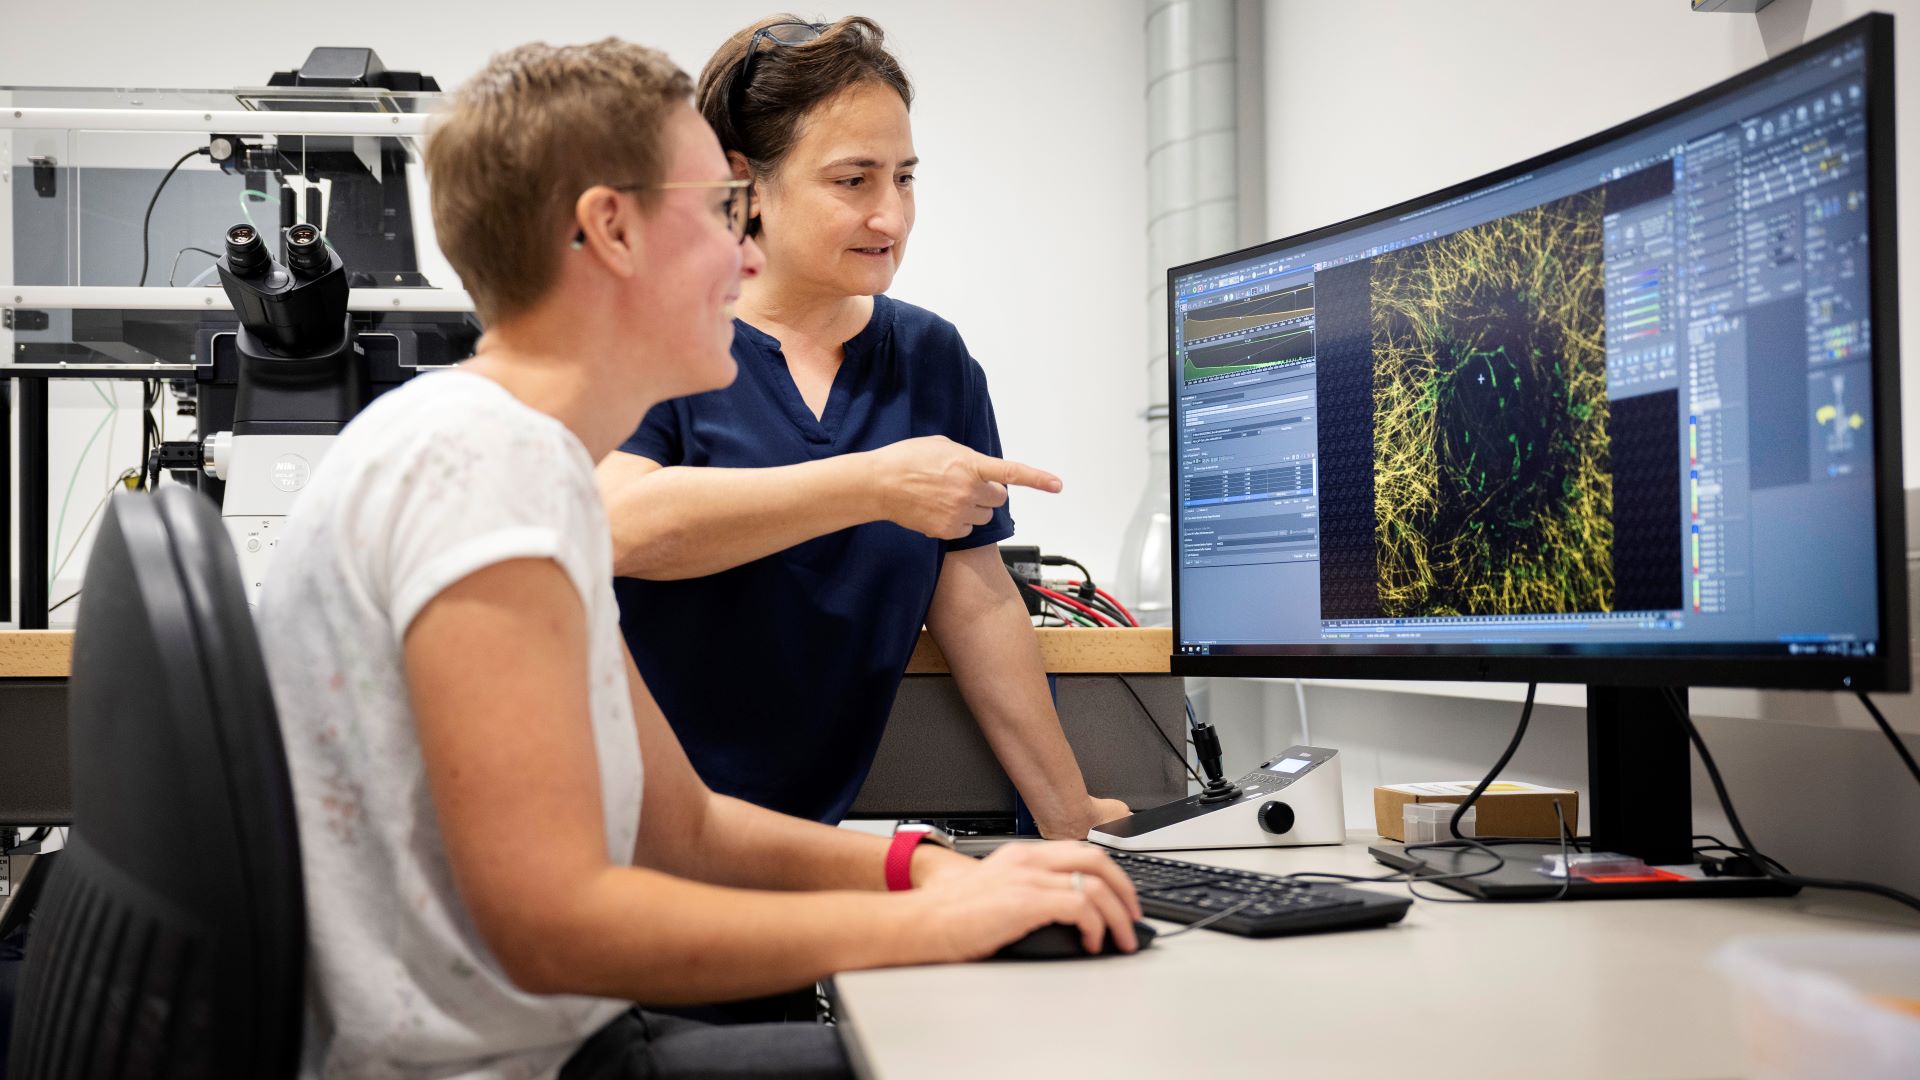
<point x="171" y="940"/>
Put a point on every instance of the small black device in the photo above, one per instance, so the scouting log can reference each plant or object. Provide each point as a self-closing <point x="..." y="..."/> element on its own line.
<point x="1059" y="941"/>
<point x="1187" y="892"/>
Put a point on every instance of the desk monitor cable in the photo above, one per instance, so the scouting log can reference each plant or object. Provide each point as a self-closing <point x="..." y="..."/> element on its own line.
<point x="1207" y="748"/>
<point x="1214" y="788"/>
<point x="1127" y="685"/>
<point x="1768" y="866"/>
<point x="1481" y="845"/>
<point x="1899" y="747"/>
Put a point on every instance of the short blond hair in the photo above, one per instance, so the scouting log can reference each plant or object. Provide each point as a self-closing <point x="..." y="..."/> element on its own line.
<point x="523" y="138"/>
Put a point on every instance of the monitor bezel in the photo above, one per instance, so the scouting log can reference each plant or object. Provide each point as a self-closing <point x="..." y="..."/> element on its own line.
<point x="1889" y="670"/>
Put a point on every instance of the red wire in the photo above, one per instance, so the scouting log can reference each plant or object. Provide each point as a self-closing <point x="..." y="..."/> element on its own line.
<point x="1108" y="597"/>
<point x="1074" y="604"/>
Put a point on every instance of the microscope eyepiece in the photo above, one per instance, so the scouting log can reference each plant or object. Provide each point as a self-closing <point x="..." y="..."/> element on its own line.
<point x="306" y="251"/>
<point x="246" y="255"/>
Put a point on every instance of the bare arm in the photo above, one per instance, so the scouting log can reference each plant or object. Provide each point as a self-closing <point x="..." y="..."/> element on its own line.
<point x="681" y="522"/>
<point x="497" y="676"/>
<point x="688" y="830"/>
<point x="981" y="624"/>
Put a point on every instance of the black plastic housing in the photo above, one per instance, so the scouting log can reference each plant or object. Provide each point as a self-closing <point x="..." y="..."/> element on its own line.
<point x="301" y="371"/>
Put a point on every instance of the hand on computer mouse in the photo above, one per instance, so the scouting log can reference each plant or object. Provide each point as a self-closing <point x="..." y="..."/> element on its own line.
<point x="1057" y="942"/>
<point x="1022" y="887"/>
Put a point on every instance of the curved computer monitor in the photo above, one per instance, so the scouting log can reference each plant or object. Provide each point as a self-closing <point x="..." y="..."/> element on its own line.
<point x="1626" y="413"/>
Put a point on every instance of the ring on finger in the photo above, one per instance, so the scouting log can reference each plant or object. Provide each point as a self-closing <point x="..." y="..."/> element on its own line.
<point x="1077" y="881"/>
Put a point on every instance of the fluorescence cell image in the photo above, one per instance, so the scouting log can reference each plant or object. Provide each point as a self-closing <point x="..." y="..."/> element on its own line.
<point x="1493" y="488"/>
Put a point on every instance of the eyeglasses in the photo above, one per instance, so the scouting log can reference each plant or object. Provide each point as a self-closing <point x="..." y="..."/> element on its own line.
<point x="739" y="202"/>
<point x="786" y="33"/>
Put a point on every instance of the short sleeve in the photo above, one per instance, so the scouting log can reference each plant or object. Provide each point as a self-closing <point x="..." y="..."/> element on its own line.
<point x="493" y="489"/>
<point x="658" y="437"/>
<point x="981" y="431"/>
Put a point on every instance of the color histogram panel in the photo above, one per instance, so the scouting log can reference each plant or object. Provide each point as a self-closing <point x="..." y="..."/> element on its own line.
<point x="1248" y="334"/>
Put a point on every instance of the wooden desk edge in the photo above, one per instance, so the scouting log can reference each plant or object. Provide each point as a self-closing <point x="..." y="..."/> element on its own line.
<point x="1143" y="650"/>
<point x="47" y="654"/>
<point x="35" y="654"/>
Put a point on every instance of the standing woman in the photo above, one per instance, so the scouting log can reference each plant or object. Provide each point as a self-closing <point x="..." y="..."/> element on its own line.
<point x="780" y="543"/>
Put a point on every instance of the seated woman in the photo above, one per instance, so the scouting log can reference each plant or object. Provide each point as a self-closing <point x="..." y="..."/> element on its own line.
<point x="504" y="845"/>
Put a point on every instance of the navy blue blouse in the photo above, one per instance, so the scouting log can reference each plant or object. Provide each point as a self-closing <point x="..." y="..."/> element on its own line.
<point x="778" y="675"/>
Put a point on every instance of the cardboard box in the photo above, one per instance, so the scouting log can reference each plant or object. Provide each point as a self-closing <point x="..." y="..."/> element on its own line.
<point x="1506" y="808"/>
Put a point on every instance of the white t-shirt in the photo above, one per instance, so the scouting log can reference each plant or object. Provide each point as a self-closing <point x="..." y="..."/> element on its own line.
<point x="440" y="478"/>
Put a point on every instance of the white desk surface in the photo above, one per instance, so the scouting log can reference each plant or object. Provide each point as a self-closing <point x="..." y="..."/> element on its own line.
<point x="1619" y="988"/>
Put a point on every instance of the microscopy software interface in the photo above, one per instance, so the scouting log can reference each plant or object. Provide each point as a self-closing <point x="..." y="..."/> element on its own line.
<point x="1619" y="401"/>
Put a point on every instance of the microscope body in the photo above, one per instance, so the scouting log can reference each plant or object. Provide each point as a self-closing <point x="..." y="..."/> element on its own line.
<point x="302" y="377"/>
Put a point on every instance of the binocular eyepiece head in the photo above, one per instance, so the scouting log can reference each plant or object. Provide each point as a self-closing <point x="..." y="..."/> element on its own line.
<point x="247" y="255"/>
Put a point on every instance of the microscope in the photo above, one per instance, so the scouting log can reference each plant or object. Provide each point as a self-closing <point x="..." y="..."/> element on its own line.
<point x="302" y="376"/>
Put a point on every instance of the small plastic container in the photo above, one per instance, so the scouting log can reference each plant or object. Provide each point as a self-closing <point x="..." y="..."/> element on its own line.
<point x="1425" y="822"/>
<point x="1822" y="1007"/>
<point x="1595" y="864"/>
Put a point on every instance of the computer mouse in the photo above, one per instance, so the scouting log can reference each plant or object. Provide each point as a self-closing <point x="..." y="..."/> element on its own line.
<point x="1059" y="941"/>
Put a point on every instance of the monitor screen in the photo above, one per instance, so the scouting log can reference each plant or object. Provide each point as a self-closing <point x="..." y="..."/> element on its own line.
<point x="1627" y="404"/>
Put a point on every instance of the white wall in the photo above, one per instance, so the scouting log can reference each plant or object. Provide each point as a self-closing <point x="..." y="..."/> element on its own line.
<point x="1031" y="237"/>
<point x="1369" y="104"/>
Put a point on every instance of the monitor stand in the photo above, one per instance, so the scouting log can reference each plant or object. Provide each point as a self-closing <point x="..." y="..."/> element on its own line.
<point x="1640" y="799"/>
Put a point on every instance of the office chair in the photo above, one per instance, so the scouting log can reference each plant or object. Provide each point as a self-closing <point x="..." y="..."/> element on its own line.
<point x="171" y="941"/>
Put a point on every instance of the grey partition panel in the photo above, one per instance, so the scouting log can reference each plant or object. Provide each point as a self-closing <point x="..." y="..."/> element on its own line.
<point x="934" y="762"/>
<point x="35" y="784"/>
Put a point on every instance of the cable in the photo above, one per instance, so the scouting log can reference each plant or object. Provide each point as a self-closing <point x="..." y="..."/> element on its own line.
<point x="1062" y="560"/>
<point x="1898" y="746"/>
<point x="1733" y="819"/>
<point x="59" y="525"/>
<point x="150" y="437"/>
<point x="146" y="224"/>
<point x="1210" y="920"/>
<point x="1101" y="604"/>
<point x="1067" y="603"/>
<point x="1414" y="877"/>
<point x="1460" y="810"/>
<point x="87" y="524"/>
<point x="1155" y="725"/>
<point x="1074" y="604"/>
<point x="1519" y="733"/>
<point x="176" y="259"/>
<point x="1117" y="605"/>
<point x="70" y="597"/>
<point x="246" y="209"/>
<point x="1107" y="599"/>
<point x="1718" y="846"/>
<point x="1067" y="616"/>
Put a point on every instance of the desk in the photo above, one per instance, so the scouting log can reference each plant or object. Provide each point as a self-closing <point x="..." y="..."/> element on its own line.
<point x="47" y="653"/>
<point x="1587" y="989"/>
<point x="933" y="760"/>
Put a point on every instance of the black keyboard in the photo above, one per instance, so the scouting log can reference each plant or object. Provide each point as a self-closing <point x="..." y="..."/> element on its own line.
<point x="1268" y="906"/>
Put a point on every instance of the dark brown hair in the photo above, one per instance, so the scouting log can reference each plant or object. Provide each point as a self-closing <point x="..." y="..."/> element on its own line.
<point x="523" y="138"/>
<point x="789" y="81"/>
